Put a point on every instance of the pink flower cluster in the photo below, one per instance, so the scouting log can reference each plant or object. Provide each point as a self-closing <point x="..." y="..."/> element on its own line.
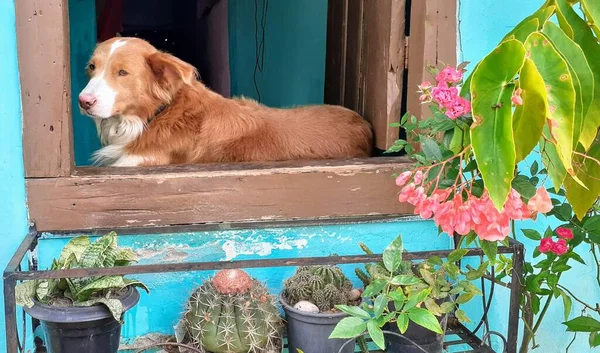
<point x="558" y="247"/>
<point x="477" y="214"/>
<point x="446" y="94"/>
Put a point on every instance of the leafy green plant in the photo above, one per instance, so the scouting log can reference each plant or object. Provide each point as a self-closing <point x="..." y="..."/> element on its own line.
<point x="401" y="293"/>
<point x="80" y="252"/>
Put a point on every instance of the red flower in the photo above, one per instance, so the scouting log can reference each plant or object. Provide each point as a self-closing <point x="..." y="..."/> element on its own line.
<point x="546" y="245"/>
<point x="560" y="247"/>
<point x="564" y="233"/>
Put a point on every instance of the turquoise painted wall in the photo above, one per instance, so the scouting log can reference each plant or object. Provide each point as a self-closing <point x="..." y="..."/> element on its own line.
<point x="295" y="41"/>
<point x="13" y="211"/>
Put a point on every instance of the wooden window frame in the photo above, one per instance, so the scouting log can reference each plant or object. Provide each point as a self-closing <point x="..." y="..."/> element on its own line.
<point x="62" y="197"/>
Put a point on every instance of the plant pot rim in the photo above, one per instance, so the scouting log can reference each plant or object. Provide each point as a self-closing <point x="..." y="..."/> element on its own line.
<point x="286" y="306"/>
<point x="72" y="314"/>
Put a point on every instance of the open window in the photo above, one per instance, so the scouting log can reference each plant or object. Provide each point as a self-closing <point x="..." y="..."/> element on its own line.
<point x="375" y="52"/>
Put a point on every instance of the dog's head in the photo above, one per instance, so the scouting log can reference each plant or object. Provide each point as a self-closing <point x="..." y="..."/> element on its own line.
<point x="129" y="77"/>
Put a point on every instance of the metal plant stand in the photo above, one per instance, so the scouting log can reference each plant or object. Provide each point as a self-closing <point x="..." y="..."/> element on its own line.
<point x="478" y="339"/>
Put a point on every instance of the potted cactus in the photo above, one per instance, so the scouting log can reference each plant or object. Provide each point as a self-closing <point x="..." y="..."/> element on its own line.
<point x="309" y="299"/>
<point x="83" y="314"/>
<point x="233" y="313"/>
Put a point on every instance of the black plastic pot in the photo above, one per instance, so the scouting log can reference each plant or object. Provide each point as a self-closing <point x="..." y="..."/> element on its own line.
<point x="81" y="329"/>
<point x="422" y="339"/>
<point x="310" y="332"/>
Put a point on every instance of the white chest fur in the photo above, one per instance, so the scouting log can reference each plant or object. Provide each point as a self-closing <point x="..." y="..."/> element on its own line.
<point x="115" y="134"/>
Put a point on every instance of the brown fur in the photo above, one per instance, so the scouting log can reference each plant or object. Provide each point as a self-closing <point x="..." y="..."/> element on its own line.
<point x="200" y="126"/>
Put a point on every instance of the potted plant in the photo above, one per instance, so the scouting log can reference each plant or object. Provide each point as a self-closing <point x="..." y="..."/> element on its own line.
<point x="83" y="314"/>
<point x="309" y="300"/>
<point x="233" y="313"/>
<point x="411" y="300"/>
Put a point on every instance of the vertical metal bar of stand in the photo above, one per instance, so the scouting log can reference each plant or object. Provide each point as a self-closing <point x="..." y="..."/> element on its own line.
<point x="515" y="298"/>
<point x="10" y="316"/>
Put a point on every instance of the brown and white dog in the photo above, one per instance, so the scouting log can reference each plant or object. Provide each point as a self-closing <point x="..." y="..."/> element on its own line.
<point x="151" y="110"/>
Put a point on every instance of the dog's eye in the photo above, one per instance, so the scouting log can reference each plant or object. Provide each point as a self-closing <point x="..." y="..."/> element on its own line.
<point x="91" y="67"/>
<point x="123" y="73"/>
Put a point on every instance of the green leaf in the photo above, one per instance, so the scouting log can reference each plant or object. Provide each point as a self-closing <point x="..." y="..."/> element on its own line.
<point x="532" y="234"/>
<point x="524" y="29"/>
<point x="490" y="249"/>
<point x="349" y="327"/>
<point x="491" y="133"/>
<point x="354" y="311"/>
<point x="24" y="293"/>
<point x="521" y="30"/>
<point x="376" y="334"/>
<point x="424" y="318"/>
<point x="529" y="118"/>
<point x="402" y="322"/>
<point x="583" y="324"/>
<point x="447" y="307"/>
<point x="567" y="303"/>
<point x="397" y="295"/>
<point x="375" y="287"/>
<point x="592" y="224"/>
<point x="431" y="149"/>
<point x="379" y="305"/>
<point x="433" y="307"/>
<point x="75" y="246"/>
<point x="435" y="260"/>
<point x="457" y="254"/>
<point x="415" y="298"/>
<point x="462" y="316"/>
<point x="583" y="36"/>
<point x="101" y="284"/>
<point x="561" y="93"/>
<point x="592" y="12"/>
<point x="522" y="185"/>
<point x="556" y="267"/>
<point x="580" y="198"/>
<point x="392" y="255"/>
<point x="478" y="273"/>
<point x="114" y="305"/>
<point x="583" y="78"/>
<point x="464" y="298"/>
<point x="594" y="339"/>
<point x="405" y="280"/>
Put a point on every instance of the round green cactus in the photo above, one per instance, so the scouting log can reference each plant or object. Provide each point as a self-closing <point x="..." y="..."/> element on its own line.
<point x="233" y="313"/>
<point x="324" y="286"/>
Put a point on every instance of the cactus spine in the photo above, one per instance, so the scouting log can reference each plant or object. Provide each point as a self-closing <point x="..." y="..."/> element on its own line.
<point x="244" y="319"/>
<point x="324" y="286"/>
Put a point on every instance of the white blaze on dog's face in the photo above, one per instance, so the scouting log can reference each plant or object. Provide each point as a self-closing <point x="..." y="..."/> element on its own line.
<point x="128" y="76"/>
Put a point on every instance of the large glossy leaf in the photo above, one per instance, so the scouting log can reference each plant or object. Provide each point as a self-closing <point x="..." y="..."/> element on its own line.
<point x="542" y="15"/>
<point x="580" y="70"/>
<point x="491" y="133"/>
<point x="349" y="327"/>
<point x="591" y="9"/>
<point x="551" y="159"/>
<point x="583" y="36"/>
<point x="561" y="93"/>
<point x="529" y="118"/>
<point x="580" y="198"/>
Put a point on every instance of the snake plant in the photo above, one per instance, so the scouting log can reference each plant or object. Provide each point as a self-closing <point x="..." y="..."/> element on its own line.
<point x="81" y="252"/>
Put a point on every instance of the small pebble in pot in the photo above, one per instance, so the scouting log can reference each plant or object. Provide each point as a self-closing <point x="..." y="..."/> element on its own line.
<point x="306" y="306"/>
<point x="354" y="294"/>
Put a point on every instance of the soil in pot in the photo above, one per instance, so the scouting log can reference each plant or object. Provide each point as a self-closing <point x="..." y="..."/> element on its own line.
<point x="93" y="329"/>
<point x="310" y="332"/>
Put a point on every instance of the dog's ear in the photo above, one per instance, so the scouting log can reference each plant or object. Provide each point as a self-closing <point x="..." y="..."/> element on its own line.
<point x="170" y="74"/>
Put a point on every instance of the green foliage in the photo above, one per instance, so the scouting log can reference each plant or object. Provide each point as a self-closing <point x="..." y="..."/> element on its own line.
<point x="491" y="133"/>
<point x="419" y="293"/>
<point x="233" y="323"/>
<point x="325" y="286"/>
<point x="80" y="252"/>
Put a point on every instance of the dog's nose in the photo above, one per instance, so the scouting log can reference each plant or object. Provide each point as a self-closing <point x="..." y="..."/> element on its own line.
<point x="86" y="101"/>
